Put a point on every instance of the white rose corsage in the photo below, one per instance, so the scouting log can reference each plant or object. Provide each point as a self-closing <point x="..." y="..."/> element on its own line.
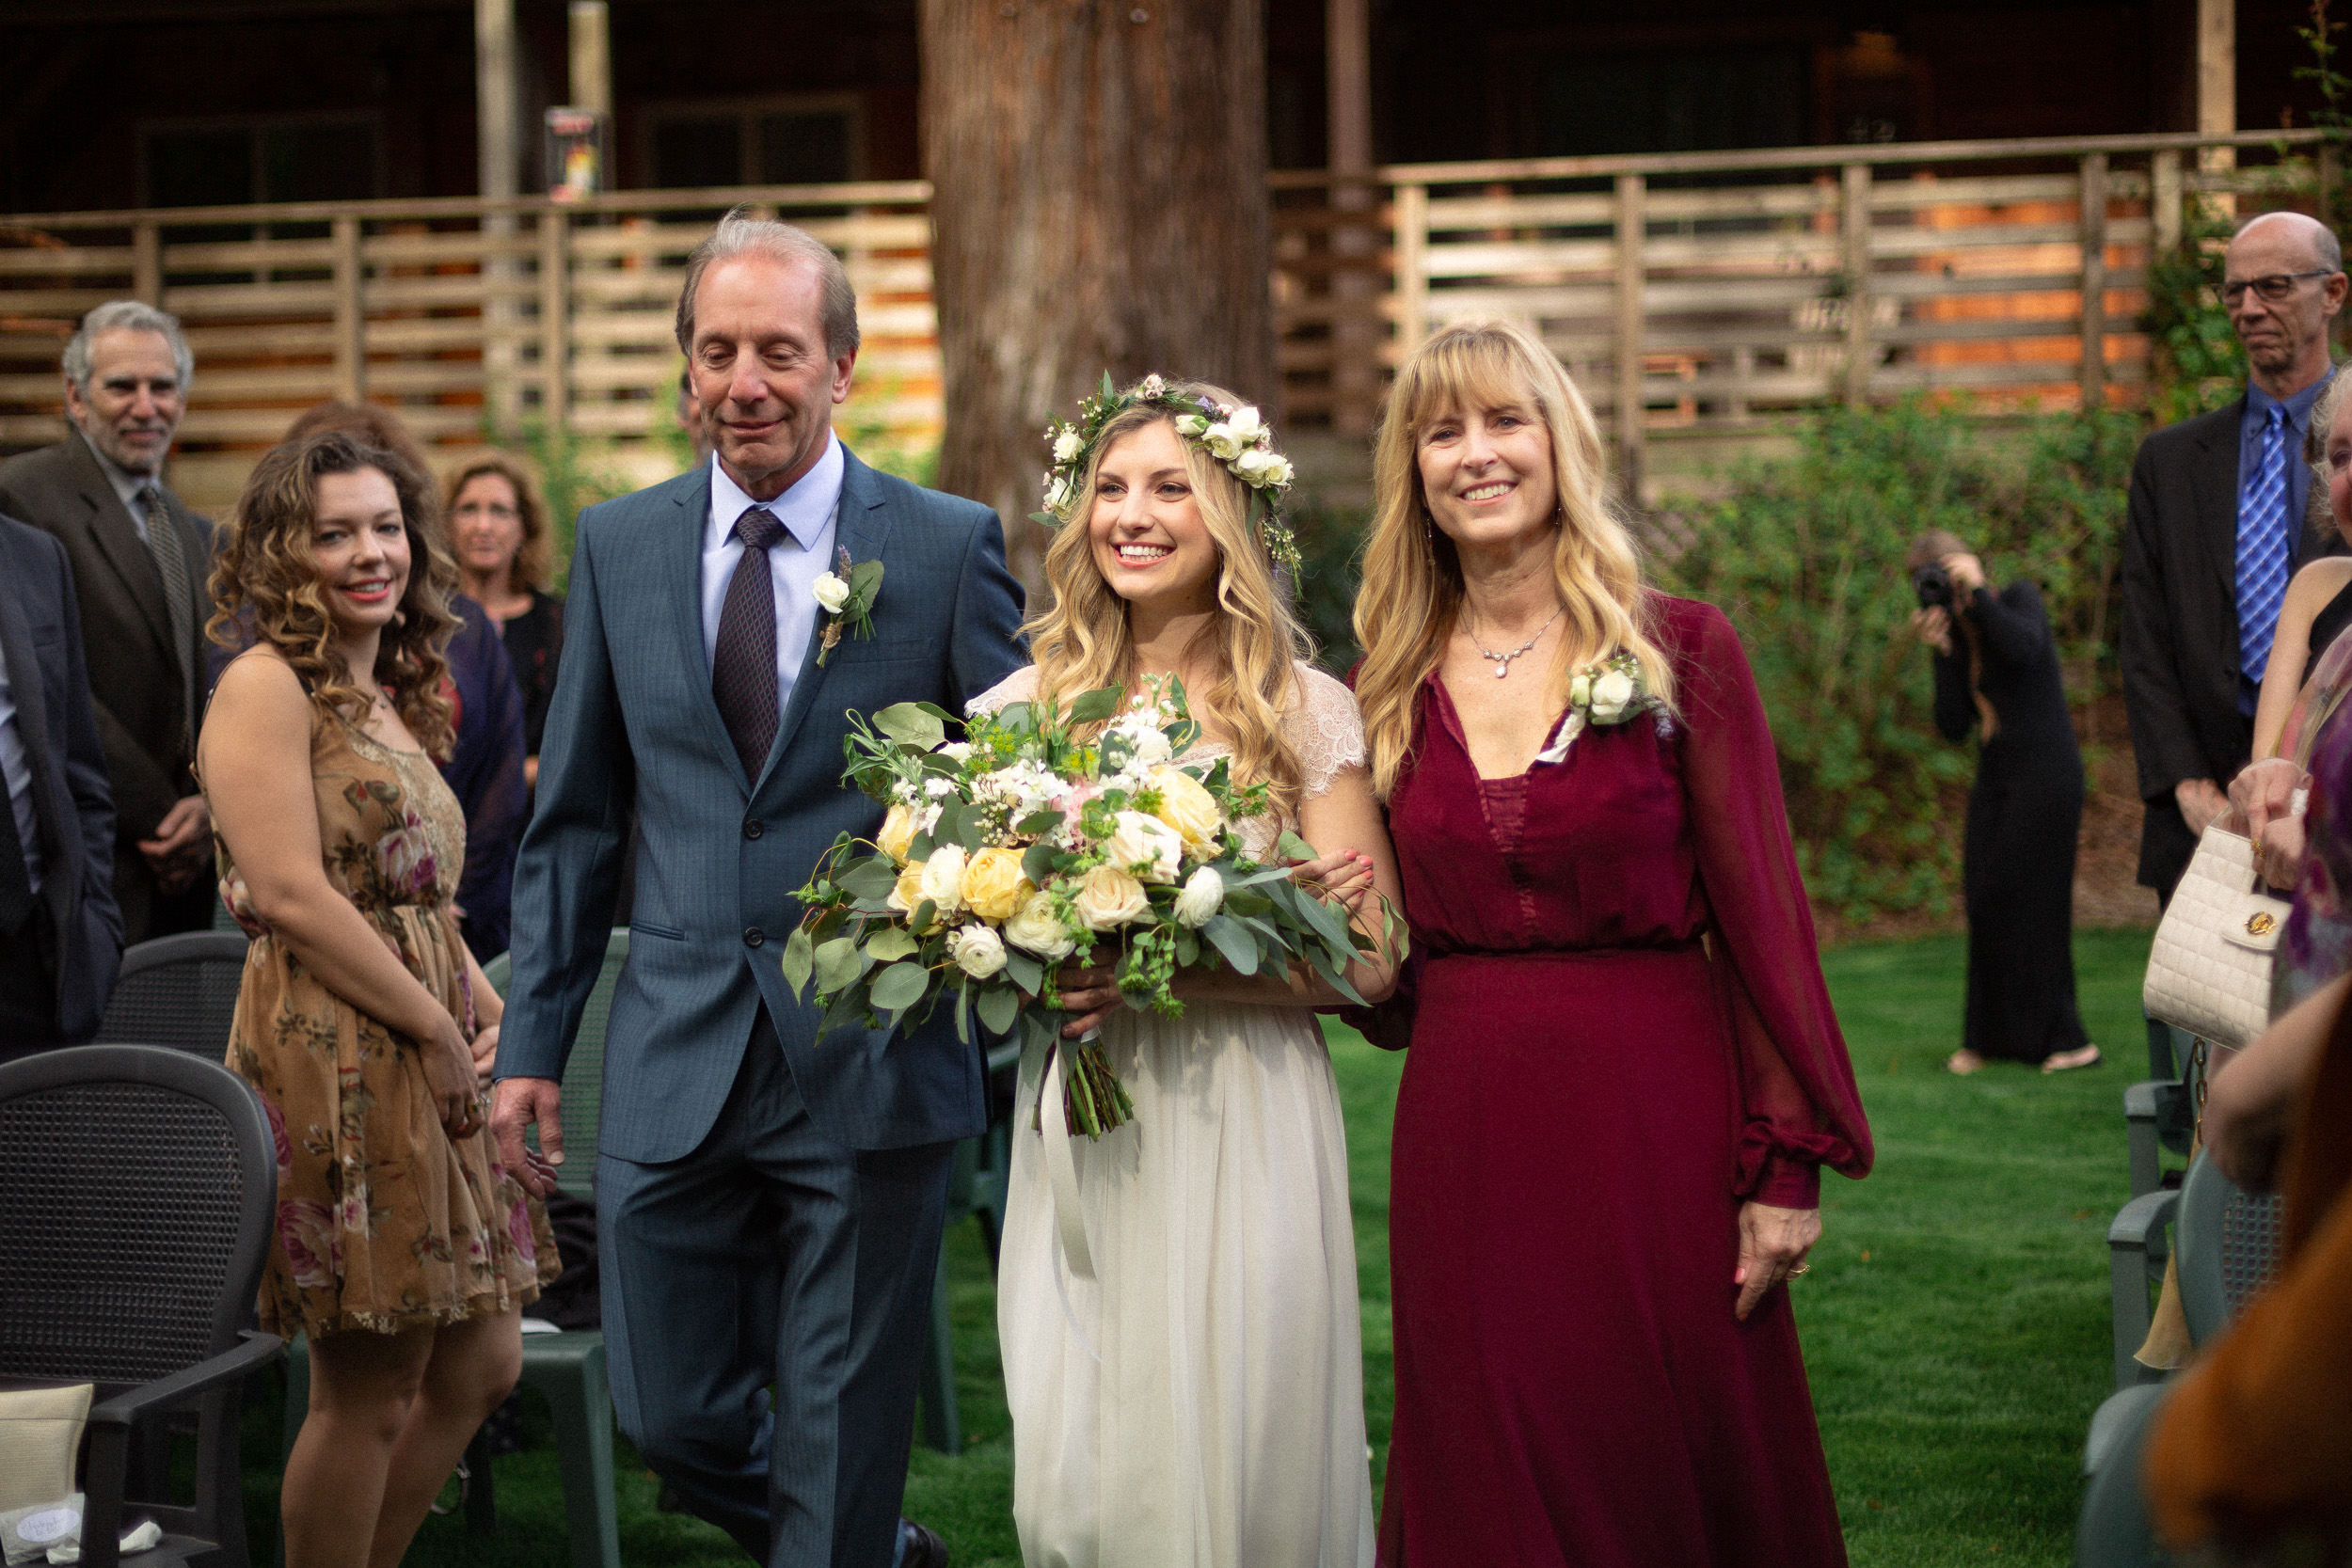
<point x="1610" y="693"/>
<point x="847" y="595"/>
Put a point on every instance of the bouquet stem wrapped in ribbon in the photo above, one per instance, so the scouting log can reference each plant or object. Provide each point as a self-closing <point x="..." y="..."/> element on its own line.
<point x="1030" y="843"/>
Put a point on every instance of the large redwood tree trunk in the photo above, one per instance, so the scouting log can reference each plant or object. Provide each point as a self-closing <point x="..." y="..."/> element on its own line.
<point x="1099" y="202"/>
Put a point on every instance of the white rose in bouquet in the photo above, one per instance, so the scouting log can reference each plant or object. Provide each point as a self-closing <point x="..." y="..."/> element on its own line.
<point x="1203" y="896"/>
<point x="1035" y="929"/>
<point x="942" y="877"/>
<point x="1150" y="746"/>
<point x="977" y="951"/>
<point x="957" y="751"/>
<point x="1108" y="899"/>
<point x="830" y="591"/>
<point x="1145" y="846"/>
<point x="1612" y="693"/>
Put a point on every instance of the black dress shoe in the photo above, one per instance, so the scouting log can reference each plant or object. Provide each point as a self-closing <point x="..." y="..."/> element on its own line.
<point x="920" y="1547"/>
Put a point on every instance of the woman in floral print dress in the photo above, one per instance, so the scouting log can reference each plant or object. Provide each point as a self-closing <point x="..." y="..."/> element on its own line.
<point x="401" y="1248"/>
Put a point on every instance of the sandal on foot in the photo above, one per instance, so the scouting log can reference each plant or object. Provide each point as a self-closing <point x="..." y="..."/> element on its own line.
<point x="2068" y="1061"/>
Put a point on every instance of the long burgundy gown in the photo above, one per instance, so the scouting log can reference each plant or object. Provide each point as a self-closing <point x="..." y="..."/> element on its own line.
<point x="1588" y="1099"/>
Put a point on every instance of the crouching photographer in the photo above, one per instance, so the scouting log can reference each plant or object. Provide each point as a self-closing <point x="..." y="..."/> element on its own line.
<point x="1996" y="676"/>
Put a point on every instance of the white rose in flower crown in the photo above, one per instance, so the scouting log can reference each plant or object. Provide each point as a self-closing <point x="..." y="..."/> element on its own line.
<point x="1255" y="466"/>
<point x="942" y="877"/>
<point x="1035" y="929"/>
<point x="1612" y="693"/>
<point x="1056" y="492"/>
<point x="1186" y="805"/>
<point x="1278" y="470"/>
<point x="1145" y="846"/>
<point x="1203" y="896"/>
<point x="1068" y="444"/>
<point x="1247" y="426"/>
<point x="1107" y="898"/>
<point x="1221" y="442"/>
<point x="830" y="591"/>
<point x="977" y="951"/>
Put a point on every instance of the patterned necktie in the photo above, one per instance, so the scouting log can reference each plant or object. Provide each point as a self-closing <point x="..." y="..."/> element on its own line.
<point x="743" y="666"/>
<point x="2261" y="549"/>
<point x="162" y="543"/>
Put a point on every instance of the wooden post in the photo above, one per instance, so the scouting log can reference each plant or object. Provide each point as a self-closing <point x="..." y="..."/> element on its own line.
<point x="2164" y="199"/>
<point x="146" y="264"/>
<point x="555" y="319"/>
<point x="591" y="58"/>
<point x="497" y="150"/>
<point x="2217" y="83"/>
<point x="1860" y="353"/>
<point x="1630" y="225"/>
<point x="1355" y="246"/>
<point x="1412" y="267"/>
<point x="2330" y="176"/>
<point x="2094" y="285"/>
<point x="351" y="313"/>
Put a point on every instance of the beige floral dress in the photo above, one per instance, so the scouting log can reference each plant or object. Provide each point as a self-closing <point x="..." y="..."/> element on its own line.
<point x="384" y="1223"/>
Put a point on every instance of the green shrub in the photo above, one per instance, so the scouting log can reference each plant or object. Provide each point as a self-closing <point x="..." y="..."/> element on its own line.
<point x="1806" y="554"/>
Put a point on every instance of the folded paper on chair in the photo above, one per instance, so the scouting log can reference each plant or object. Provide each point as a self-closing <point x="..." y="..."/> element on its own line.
<point x="2209" y="969"/>
<point x="41" y="1429"/>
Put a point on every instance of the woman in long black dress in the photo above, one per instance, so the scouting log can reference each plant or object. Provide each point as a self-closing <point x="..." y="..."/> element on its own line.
<point x="1996" y="673"/>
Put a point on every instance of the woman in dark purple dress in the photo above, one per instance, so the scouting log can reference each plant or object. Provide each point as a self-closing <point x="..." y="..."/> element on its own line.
<point x="1625" y="1074"/>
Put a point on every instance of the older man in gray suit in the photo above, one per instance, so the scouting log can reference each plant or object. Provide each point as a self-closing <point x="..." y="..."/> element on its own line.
<point x="769" y="1201"/>
<point x="139" y="560"/>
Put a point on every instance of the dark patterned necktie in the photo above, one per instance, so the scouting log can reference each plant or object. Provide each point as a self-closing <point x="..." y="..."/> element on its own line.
<point x="743" y="666"/>
<point x="162" y="543"/>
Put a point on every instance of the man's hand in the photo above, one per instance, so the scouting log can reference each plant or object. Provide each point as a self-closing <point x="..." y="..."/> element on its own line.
<point x="2201" y="803"/>
<point x="1966" y="572"/>
<point x="516" y="1104"/>
<point x="183" y="844"/>
<point x="1933" y="627"/>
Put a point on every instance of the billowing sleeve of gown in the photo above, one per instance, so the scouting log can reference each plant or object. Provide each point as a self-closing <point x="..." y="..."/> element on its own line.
<point x="1799" y="1108"/>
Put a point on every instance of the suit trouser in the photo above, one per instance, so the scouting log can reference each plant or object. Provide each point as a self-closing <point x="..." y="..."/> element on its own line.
<point x="774" y="1256"/>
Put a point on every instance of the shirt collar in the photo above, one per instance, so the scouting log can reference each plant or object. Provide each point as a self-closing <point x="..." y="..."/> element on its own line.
<point x="804" y="510"/>
<point x="127" y="484"/>
<point x="2298" y="407"/>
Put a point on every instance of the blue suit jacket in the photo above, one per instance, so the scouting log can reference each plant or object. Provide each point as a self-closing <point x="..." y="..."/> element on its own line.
<point x="633" y="726"/>
<point x="41" y="640"/>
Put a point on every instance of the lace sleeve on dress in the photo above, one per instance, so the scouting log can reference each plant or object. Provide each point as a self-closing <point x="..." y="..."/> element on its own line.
<point x="1327" y="727"/>
<point x="1019" y="686"/>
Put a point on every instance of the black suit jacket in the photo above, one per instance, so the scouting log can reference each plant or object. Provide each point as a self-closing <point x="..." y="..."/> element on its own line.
<point x="40" y="644"/>
<point x="2180" y="648"/>
<point x="126" y="631"/>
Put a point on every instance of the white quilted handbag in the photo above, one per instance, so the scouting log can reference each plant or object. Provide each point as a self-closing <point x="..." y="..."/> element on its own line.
<point x="2209" y="972"/>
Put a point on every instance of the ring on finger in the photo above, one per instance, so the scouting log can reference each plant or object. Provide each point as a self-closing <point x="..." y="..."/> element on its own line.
<point x="1800" y="1268"/>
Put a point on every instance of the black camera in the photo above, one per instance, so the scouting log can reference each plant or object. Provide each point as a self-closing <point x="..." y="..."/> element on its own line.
<point x="1933" y="585"/>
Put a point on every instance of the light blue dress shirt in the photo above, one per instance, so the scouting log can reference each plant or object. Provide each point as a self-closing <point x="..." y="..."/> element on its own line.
<point x="16" y="772"/>
<point x="807" y="512"/>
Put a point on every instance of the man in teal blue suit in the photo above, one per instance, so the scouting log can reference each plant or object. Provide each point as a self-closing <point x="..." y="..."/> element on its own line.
<point x="770" y="1202"/>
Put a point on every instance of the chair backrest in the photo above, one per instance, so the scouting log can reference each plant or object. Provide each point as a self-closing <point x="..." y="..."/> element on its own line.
<point x="583" y="1072"/>
<point x="2228" y="1246"/>
<point x="180" y="991"/>
<point x="137" y="1188"/>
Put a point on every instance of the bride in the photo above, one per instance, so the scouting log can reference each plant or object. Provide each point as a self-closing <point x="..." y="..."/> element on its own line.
<point x="1195" y="1399"/>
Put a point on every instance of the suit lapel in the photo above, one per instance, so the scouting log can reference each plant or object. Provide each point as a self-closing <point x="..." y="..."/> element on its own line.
<point x="861" y="526"/>
<point x="2216" y="484"/>
<point x="32" y="728"/>
<point x="119" y="541"/>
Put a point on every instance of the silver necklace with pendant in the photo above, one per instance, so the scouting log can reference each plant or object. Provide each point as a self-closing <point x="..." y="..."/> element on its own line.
<point x="1503" y="661"/>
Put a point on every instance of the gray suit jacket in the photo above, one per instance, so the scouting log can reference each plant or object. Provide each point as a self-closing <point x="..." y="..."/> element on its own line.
<point x="633" y="728"/>
<point x="126" y="634"/>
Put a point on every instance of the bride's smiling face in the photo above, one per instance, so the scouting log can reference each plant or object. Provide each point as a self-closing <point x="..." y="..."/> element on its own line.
<point x="1149" y="541"/>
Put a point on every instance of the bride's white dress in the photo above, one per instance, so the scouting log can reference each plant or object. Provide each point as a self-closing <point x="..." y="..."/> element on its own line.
<point x="1198" y="1403"/>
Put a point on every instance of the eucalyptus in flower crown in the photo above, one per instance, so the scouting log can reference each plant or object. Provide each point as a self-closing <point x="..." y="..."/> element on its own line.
<point x="1238" y="438"/>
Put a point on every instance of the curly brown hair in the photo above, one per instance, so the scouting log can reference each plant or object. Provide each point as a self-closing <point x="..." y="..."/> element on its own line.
<point x="263" y="576"/>
<point x="533" y="566"/>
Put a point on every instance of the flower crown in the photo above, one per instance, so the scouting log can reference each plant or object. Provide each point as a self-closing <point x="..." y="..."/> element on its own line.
<point x="1237" y="437"/>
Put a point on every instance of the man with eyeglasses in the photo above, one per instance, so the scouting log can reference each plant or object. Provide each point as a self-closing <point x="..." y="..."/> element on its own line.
<point x="2222" y="511"/>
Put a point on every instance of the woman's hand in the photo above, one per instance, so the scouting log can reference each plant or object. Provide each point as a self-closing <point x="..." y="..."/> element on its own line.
<point x="486" y="1056"/>
<point x="449" y="1074"/>
<point x="1933" y="627"/>
<point x="2264" y="790"/>
<point x="1966" y="572"/>
<point x="1091" y="991"/>
<point x="1344" y="878"/>
<point x="1772" y="1244"/>
<point x="2278" y="852"/>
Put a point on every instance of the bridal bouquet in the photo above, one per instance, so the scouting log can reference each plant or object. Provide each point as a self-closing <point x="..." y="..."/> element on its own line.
<point x="1022" y="844"/>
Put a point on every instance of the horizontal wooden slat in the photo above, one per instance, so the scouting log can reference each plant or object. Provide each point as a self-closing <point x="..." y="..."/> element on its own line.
<point x="53" y="261"/>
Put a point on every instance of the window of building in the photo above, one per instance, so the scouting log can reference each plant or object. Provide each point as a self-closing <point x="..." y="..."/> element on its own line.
<point x="226" y="163"/>
<point x="794" y="141"/>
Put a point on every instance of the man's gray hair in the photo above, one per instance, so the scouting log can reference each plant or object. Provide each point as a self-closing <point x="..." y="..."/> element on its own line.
<point x="2325" y="249"/>
<point x="125" y="315"/>
<point x="741" y="235"/>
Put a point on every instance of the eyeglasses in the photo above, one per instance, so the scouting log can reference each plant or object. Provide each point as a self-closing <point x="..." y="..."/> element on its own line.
<point x="2273" y="289"/>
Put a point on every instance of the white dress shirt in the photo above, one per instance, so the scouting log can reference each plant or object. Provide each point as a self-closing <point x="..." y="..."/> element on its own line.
<point x="16" y="772"/>
<point x="808" y="511"/>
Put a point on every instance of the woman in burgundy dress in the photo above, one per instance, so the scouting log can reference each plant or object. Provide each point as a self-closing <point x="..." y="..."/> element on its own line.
<point x="1625" y="1073"/>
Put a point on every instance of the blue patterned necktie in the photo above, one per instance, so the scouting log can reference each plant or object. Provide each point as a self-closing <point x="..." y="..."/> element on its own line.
<point x="2261" y="549"/>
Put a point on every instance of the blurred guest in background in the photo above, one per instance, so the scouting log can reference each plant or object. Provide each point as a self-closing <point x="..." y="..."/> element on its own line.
<point x="139" y="557"/>
<point x="485" y="770"/>
<point x="688" y="414"/>
<point x="60" y="934"/>
<point x="1999" y="678"/>
<point x="2317" y="606"/>
<point x="505" y="559"/>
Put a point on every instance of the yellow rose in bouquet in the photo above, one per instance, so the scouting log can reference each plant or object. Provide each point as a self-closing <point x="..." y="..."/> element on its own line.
<point x="1186" y="806"/>
<point x="992" y="885"/>
<point x="896" y="835"/>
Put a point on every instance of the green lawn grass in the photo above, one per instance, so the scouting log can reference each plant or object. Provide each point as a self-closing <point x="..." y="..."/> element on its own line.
<point x="1955" y="1322"/>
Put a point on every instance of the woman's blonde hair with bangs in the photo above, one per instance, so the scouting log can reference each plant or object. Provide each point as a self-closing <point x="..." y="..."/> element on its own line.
<point x="1081" y="641"/>
<point x="1412" y="579"/>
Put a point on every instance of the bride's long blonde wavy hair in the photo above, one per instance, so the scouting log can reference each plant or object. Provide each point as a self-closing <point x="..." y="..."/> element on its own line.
<point x="1081" y="641"/>
<point x="1412" y="579"/>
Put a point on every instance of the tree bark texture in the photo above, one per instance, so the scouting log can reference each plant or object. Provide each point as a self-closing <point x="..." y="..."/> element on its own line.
<point x="1099" y="202"/>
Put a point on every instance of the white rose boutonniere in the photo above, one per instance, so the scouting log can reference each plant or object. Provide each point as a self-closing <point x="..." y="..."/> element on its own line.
<point x="844" y="598"/>
<point x="1607" y="694"/>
